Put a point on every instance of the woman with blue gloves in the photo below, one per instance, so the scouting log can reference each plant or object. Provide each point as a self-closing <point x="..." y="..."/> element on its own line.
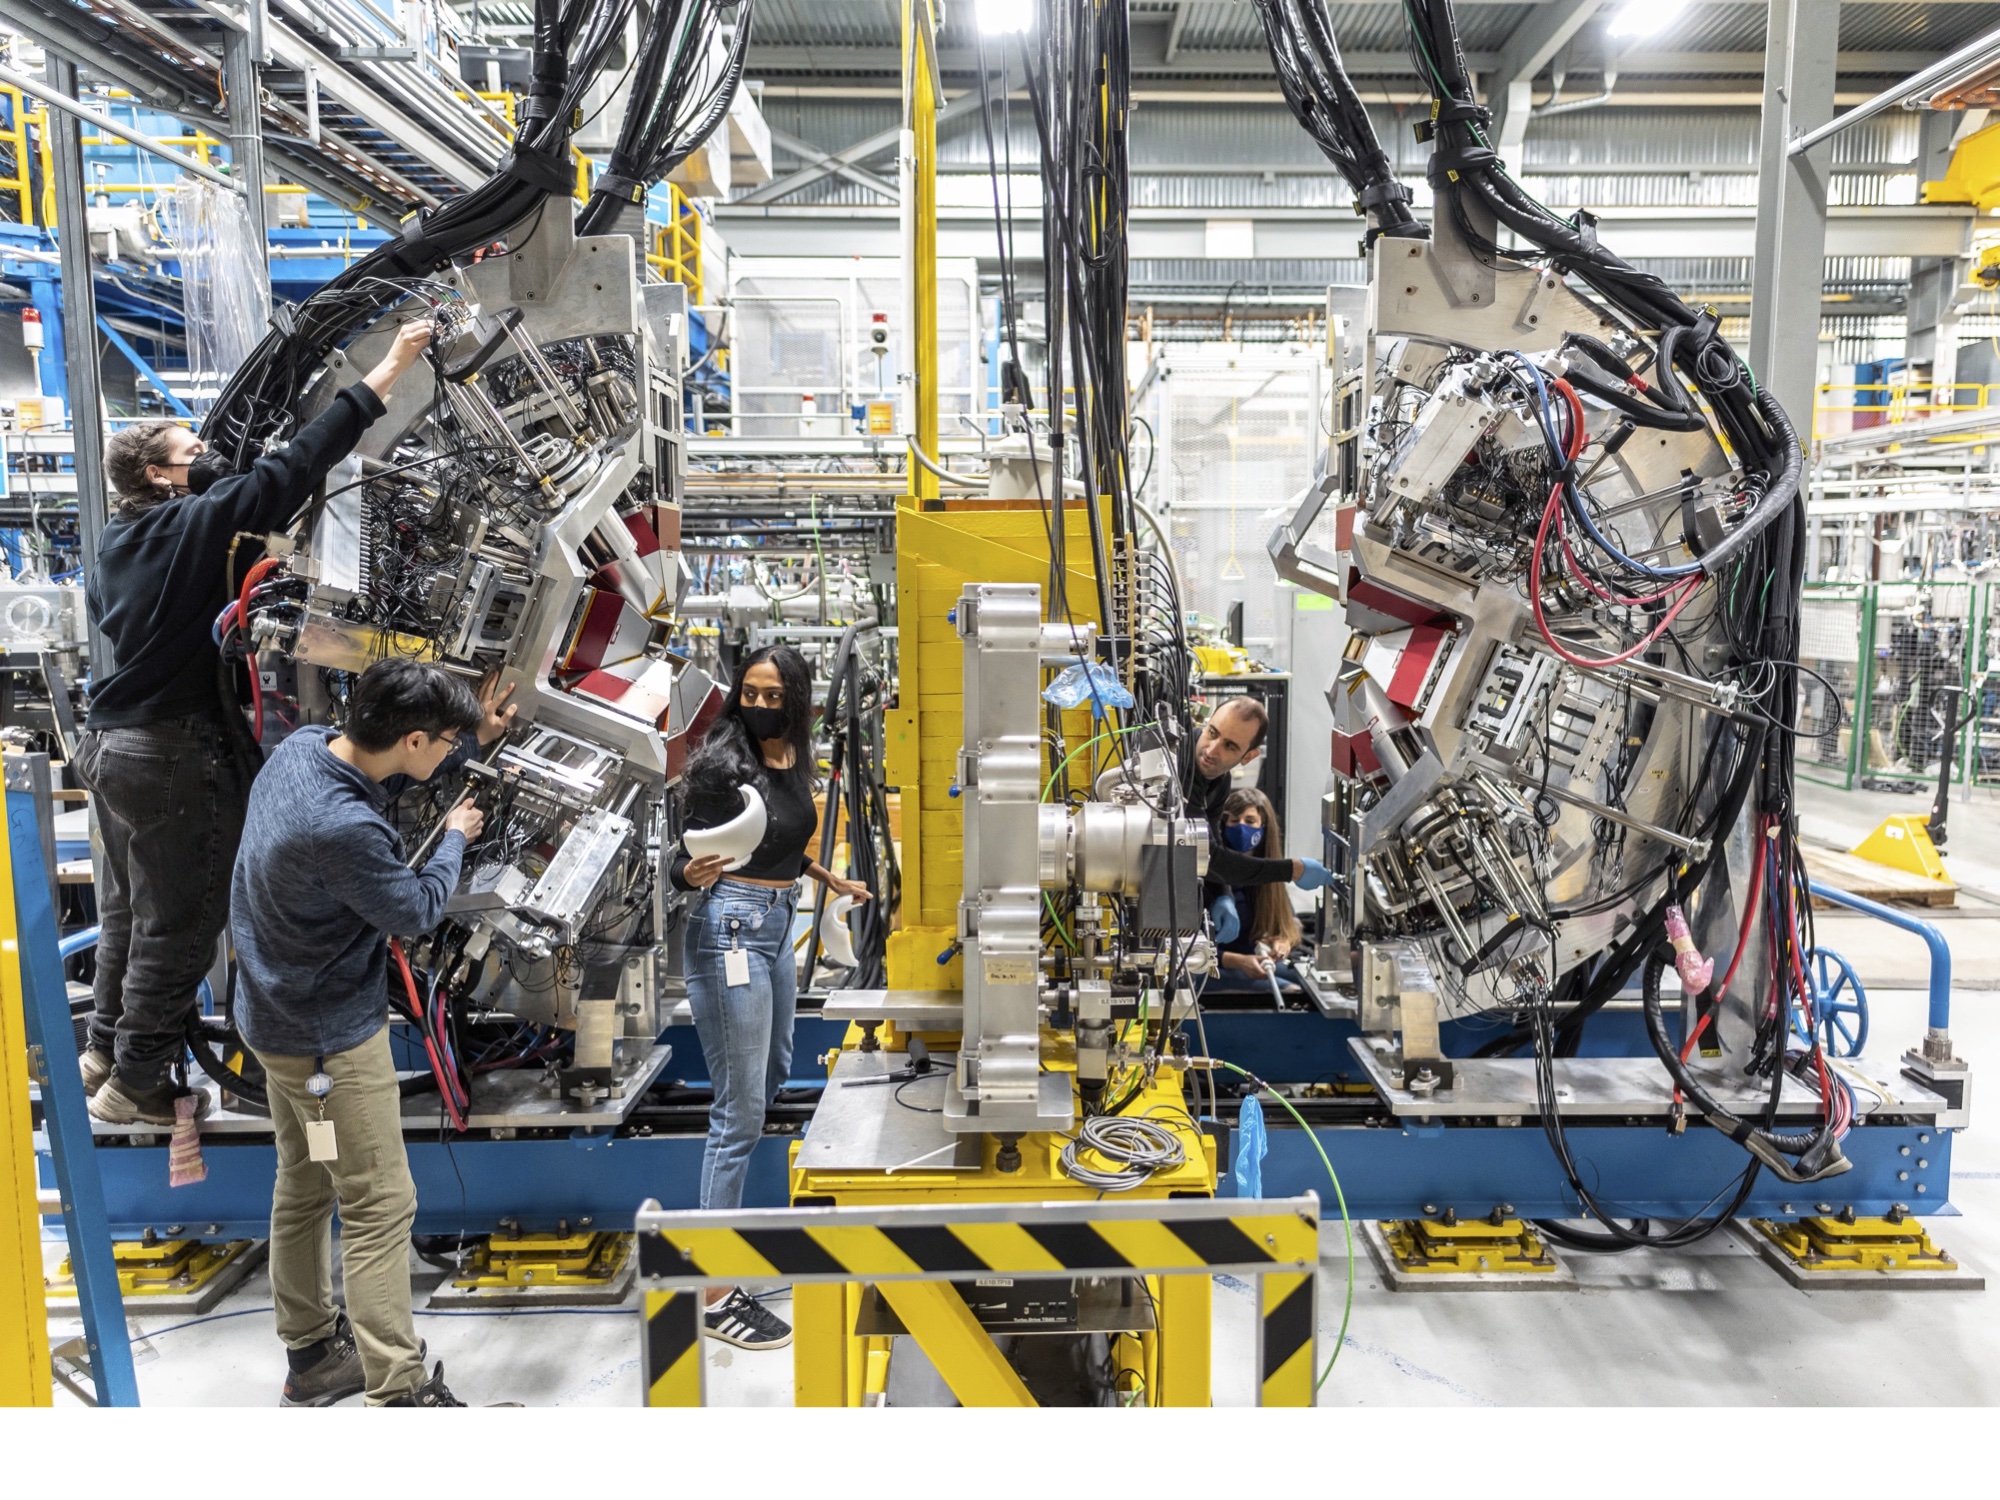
<point x="1255" y="927"/>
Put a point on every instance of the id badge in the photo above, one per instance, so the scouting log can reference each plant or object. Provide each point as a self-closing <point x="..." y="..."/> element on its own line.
<point x="735" y="967"/>
<point x="320" y="1144"/>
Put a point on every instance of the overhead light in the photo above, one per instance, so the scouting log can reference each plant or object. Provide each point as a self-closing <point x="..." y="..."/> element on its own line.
<point x="998" y="17"/>
<point x="1644" y="18"/>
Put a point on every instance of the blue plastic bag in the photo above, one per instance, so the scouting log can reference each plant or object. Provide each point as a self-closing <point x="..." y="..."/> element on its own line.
<point x="1250" y="1149"/>
<point x="1091" y="682"/>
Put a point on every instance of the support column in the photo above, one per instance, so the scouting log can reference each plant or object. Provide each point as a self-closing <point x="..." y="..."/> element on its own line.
<point x="79" y="327"/>
<point x="917" y="191"/>
<point x="1788" y="274"/>
<point x="244" y="83"/>
<point x="1937" y="283"/>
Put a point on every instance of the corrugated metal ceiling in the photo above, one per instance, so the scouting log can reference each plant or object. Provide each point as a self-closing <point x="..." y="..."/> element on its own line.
<point x="1232" y="25"/>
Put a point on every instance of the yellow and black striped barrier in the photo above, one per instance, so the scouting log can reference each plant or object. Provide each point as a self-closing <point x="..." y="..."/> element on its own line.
<point x="671" y="1357"/>
<point x="1274" y="1242"/>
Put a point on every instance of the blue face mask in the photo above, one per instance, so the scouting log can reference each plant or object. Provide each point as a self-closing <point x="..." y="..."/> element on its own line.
<point x="1244" y="838"/>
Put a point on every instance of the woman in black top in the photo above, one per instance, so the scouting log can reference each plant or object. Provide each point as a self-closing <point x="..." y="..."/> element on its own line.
<point x="742" y="979"/>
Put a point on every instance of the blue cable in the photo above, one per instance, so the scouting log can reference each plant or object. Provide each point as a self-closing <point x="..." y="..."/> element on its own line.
<point x="1571" y="497"/>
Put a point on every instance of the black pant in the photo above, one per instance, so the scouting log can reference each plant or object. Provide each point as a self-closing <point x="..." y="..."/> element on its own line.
<point x="170" y="798"/>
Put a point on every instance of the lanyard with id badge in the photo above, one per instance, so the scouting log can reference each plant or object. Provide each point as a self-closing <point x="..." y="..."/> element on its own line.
<point x="735" y="961"/>
<point x="320" y="1142"/>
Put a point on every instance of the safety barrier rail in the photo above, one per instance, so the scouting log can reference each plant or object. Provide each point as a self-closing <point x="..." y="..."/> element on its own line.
<point x="911" y="1254"/>
<point x="1885" y="404"/>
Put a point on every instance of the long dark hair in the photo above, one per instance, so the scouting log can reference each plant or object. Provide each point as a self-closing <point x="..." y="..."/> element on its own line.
<point x="729" y="753"/>
<point x="1271" y="914"/>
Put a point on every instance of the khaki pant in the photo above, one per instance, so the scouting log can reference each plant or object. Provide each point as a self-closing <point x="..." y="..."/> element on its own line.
<point x="378" y="1203"/>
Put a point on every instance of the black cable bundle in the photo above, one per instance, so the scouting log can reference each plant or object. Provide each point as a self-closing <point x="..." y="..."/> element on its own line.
<point x="667" y="119"/>
<point x="854" y="783"/>
<point x="260" y="401"/>
<point x="1324" y="101"/>
<point x="1464" y="163"/>
<point x="1079" y="85"/>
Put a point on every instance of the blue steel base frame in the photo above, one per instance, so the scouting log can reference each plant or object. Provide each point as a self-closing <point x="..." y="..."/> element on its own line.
<point x="470" y="1186"/>
<point x="1387" y="1171"/>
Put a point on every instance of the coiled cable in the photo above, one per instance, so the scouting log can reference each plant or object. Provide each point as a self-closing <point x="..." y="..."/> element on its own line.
<point x="1140" y="1147"/>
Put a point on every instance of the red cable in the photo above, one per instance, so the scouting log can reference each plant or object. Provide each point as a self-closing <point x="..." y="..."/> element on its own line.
<point x="1742" y="940"/>
<point x="250" y="580"/>
<point x="1688" y="591"/>
<point x="1749" y="908"/>
<point x="445" y="1091"/>
<point x="1573" y="446"/>
<point x="256" y="699"/>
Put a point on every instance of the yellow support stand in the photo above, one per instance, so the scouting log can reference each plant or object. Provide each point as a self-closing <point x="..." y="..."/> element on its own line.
<point x="1903" y="843"/>
<point x="1846" y="1252"/>
<point x="581" y="1269"/>
<point x="1457" y="1254"/>
<point x="171" y="1276"/>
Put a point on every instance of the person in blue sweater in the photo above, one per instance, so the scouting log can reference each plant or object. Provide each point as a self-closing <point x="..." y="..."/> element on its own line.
<point x="321" y="884"/>
<point x="165" y="752"/>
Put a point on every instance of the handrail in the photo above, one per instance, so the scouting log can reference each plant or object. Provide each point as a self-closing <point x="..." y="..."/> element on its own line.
<point x="1940" y="987"/>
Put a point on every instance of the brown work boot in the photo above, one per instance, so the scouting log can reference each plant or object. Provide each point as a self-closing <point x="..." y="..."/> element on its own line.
<point x="117" y="1102"/>
<point x="95" y="1066"/>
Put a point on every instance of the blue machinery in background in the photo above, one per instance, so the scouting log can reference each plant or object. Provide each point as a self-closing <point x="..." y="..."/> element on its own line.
<point x="1390" y="1168"/>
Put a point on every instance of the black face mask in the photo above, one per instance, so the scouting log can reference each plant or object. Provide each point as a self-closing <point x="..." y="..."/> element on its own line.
<point x="207" y="470"/>
<point x="763" y="723"/>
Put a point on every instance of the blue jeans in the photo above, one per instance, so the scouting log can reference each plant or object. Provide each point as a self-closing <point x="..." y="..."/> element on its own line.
<point x="745" y="1029"/>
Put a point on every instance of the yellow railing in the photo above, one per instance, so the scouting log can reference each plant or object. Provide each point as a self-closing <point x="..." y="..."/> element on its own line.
<point x="16" y="135"/>
<point x="676" y="245"/>
<point x="1887" y="404"/>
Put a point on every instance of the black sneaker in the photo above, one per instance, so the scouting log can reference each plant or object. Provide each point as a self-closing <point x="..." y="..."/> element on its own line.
<point x="431" y="1393"/>
<point x="742" y="1320"/>
<point x="333" y="1376"/>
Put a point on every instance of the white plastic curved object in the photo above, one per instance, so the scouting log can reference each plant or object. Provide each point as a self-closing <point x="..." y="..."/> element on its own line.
<point x="834" y="938"/>
<point x="735" y="840"/>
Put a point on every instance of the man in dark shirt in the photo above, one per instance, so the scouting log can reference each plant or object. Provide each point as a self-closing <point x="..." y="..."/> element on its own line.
<point x="1232" y="737"/>
<point x="321" y="884"/>
<point x="159" y="753"/>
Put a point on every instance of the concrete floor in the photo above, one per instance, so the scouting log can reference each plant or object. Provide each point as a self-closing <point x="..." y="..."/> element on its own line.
<point x="1711" y="1325"/>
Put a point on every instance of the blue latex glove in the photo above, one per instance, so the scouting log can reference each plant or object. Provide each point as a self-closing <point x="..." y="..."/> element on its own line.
<point x="1251" y="1146"/>
<point x="1315" y="876"/>
<point x="1224" y="915"/>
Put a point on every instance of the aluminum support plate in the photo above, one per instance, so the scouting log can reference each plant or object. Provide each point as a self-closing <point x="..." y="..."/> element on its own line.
<point x="860" y="1127"/>
<point x="913" y="1010"/>
<point x="1601" y="1087"/>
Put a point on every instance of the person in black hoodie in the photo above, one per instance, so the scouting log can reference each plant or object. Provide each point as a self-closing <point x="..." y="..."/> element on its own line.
<point x="159" y="754"/>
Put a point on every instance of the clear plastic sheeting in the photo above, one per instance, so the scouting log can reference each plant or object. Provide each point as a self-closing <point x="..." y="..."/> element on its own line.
<point x="225" y="288"/>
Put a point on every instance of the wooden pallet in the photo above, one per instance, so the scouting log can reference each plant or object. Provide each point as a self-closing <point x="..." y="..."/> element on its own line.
<point x="1873" y="882"/>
